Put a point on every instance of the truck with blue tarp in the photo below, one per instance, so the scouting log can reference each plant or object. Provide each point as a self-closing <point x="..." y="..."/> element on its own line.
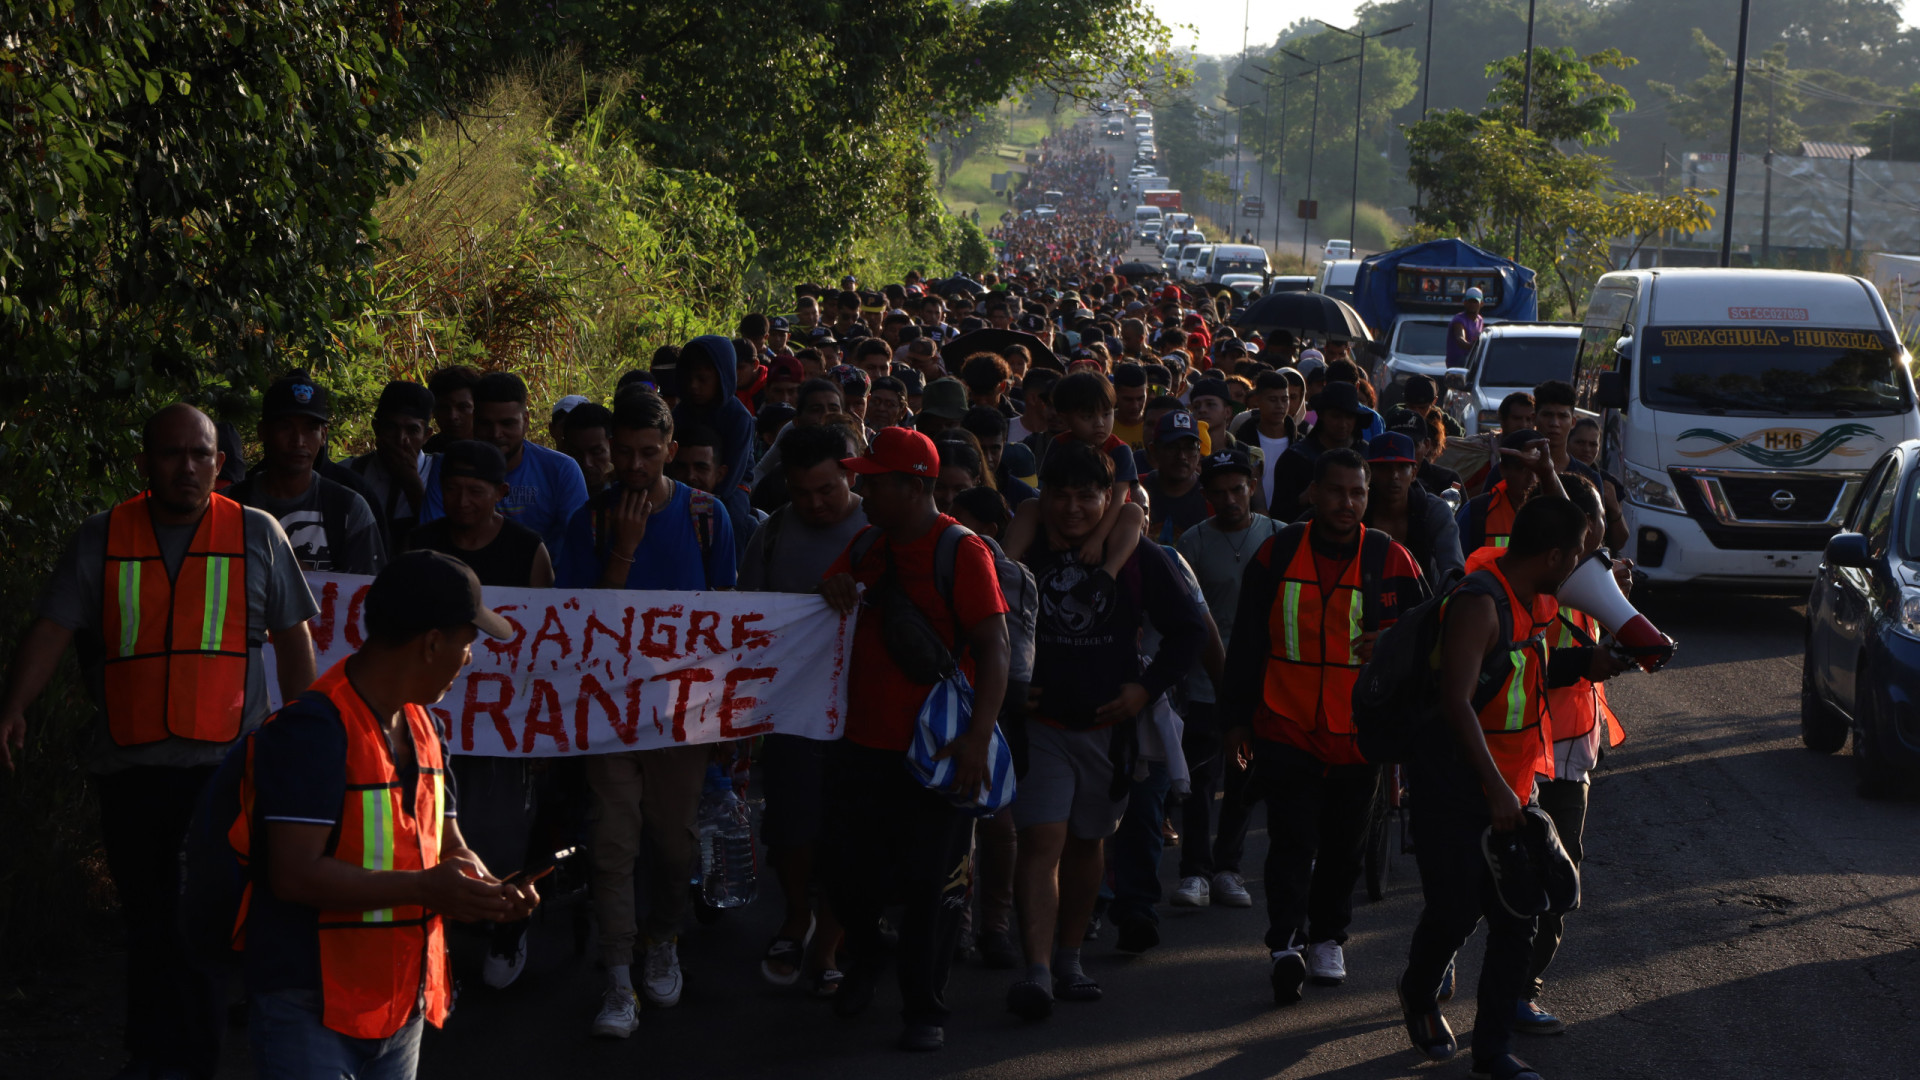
<point x="1407" y="297"/>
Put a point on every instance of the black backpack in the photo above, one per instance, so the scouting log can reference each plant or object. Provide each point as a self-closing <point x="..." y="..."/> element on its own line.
<point x="1396" y="703"/>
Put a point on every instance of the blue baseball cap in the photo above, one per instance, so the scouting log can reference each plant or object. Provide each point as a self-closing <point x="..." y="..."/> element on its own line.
<point x="1391" y="448"/>
<point x="1175" y="426"/>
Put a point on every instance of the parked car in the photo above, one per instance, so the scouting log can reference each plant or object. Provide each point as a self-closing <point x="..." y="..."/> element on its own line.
<point x="1861" y="675"/>
<point x="1337" y="249"/>
<point x="1190" y="261"/>
<point x="1508" y="357"/>
<point x="1336" y="278"/>
<point x="1236" y="259"/>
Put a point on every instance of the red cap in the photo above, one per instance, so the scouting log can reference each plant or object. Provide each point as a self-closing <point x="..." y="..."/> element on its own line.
<point x="900" y="450"/>
<point x="786" y="368"/>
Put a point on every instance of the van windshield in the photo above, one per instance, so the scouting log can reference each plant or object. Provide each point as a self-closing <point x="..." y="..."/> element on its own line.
<point x="1239" y="265"/>
<point x="1767" y="370"/>
<point x="1527" y="361"/>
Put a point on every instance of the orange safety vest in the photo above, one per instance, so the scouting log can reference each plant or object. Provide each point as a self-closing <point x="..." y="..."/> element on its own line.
<point x="375" y="965"/>
<point x="1510" y="698"/>
<point x="1314" y="660"/>
<point x="176" y="646"/>
<point x="1572" y="711"/>
<point x="1498" y="527"/>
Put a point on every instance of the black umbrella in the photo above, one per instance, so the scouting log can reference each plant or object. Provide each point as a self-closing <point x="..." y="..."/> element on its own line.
<point x="962" y="283"/>
<point x="993" y="341"/>
<point x="1138" y="270"/>
<point x="1305" y="312"/>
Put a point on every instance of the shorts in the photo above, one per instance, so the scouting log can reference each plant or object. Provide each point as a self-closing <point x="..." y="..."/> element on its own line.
<point x="793" y="779"/>
<point x="1068" y="777"/>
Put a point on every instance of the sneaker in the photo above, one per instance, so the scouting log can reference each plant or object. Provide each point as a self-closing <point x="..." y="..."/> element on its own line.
<point x="1530" y="1019"/>
<point x="998" y="951"/>
<point x="506" y="957"/>
<point x="1193" y="892"/>
<point x="1446" y="985"/>
<point x="662" y="980"/>
<point x="1504" y="1067"/>
<point x="1288" y="975"/>
<point x="1230" y="891"/>
<point x="619" y="1013"/>
<point x="1327" y="962"/>
<point x="923" y="1037"/>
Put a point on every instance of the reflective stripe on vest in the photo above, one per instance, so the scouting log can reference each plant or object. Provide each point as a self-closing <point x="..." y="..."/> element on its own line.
<point x="1574" y="711"/>
<point x="1510" y="713"/>
<point x="375" y="964"/>
<point x="1311" y="674"/>
<point x="176" y="646"/>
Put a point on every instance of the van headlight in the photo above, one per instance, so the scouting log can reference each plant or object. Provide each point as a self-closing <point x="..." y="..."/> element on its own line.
<point x="1652" y="490"/>
<point x="1909" y="621"/>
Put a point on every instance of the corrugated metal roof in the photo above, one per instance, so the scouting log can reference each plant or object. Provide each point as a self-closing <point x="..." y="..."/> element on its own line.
<point x="1832" y="150"/>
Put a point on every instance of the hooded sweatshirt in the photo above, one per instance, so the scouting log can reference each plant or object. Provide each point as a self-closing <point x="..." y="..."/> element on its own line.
<point x="729" y="419"/>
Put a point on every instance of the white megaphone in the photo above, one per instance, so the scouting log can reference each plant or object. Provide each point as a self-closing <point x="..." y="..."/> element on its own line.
<point x="1592" y="589"/>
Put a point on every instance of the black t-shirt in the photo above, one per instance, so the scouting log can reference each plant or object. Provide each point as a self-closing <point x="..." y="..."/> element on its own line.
<point x="506" y="562"/>
<point x="1174" y="514"/>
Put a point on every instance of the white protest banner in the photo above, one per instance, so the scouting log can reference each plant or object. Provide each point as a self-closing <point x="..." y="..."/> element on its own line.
<point x="596" y="671"/>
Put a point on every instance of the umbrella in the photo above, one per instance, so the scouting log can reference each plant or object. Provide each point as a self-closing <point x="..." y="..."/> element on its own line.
<point x="993" y="341"/>
<point x="962" y="283"/>
<point x="1305" y="312"/>
<point x="1138" y="270"/>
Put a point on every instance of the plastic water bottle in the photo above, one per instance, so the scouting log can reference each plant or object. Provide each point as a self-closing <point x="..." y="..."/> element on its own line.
<point x="727" y="856"/>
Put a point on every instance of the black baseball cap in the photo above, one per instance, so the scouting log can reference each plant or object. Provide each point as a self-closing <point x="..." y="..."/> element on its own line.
<point x="1338" y="397"/>
<point x="1225" y="461"/>
<point x="296" y="394"/>
<point x="426" y="590"/>
<point x="473" y="459"/>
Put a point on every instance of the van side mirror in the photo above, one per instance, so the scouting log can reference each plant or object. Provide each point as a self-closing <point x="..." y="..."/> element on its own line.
<point x="1457" y="379"/>
<point x="1611" y="390"/>
<point x="1847" y="549"/>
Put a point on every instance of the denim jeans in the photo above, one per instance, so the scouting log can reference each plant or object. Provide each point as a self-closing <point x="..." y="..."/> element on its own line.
<point x="1137" y="846"/>
<point x="290" y="1043"/>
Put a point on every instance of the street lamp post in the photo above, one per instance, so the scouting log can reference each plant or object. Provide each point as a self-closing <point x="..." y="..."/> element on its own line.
<point x="1733" y="150"/>
<point x="1280" y="174"/>
<point x="1313" y="134"/>
<point x="1266" y="133"/>
<point x="1426" y="65"/>
<point x="1359" y="100"/>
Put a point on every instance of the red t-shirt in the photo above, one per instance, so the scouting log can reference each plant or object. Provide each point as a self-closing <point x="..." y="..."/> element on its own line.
<point x="882" y="703"/>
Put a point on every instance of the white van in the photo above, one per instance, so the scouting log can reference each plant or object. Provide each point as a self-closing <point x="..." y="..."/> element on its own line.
<point x="1740" y="410"/>
<point x="1143" y="214"/>
<point x="1237" y="259"/>
<point x="1336" y="278"/>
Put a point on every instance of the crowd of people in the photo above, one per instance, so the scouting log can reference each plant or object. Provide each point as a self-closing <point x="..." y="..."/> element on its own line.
<point x="1160" y="550"/>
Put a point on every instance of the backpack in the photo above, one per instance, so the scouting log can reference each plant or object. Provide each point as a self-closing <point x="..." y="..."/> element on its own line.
<point x="1396" y="703"/>
<point x="217" y="867"/>
<point x="1016" y="585"/>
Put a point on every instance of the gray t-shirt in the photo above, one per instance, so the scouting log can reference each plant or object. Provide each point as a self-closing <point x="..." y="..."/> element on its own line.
<point x="277" y="598"/>
<point x="305" y="527"/>
<point x="801" y="553"/>
<point x="1219" y="560"/>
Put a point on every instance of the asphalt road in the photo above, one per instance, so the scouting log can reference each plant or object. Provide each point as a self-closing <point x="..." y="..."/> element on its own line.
<point x="1746" y="915"/>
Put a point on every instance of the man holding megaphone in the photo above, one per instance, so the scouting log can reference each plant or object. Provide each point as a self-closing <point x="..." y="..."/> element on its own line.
<point x="1493" y="678"/>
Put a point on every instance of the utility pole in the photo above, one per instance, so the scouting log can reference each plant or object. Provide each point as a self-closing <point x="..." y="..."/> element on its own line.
<point x="1266" y="133"/>
<point x="1660" y="253"/>
<point x="1526" y="114"/>
<point x="1313" y="135"/>
<point x="1280" y="172"/>
<point x="1359" y="100"/>
<point x="1426" y="65"/>
<point x="1851" y="158"/>
<point x="1733" y="149"/>
<point x="1766" y="187"/>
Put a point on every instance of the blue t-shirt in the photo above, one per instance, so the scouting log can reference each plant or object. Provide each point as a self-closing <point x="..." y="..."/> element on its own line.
<point x="300" y="776"/>
<point x="683" y="550"/>
<point x="543" y="493"/>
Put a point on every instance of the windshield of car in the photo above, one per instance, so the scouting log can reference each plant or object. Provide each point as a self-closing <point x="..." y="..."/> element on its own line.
<point x="1416" y="338"/>
<point x="1239" y="265"/>
<point x="1527" y="361"/>
<point x="1797" y="371"/>
<point x="1339" y="292"/>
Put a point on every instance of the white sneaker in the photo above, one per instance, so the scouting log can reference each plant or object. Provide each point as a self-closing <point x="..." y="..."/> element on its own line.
<point x="1327" y="963"/>
<point x="1230" y="891"/>
<point x="619" y="1013"/>
<point x="499" y="971"/>
<point x="662" y="979"/>
<point x="1193" y="892"/>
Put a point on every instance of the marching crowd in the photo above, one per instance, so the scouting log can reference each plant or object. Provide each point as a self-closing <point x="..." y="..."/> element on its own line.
<point x="1161" y="552"/>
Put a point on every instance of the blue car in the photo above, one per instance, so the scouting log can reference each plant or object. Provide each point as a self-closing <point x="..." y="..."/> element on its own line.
<point x="1862" y="670"/>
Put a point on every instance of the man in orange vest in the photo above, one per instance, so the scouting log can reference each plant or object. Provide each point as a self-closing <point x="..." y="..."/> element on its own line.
<point x="1579" y="718"/>
<point x="171" y="594"/>
<point x="349" y="822"/>
<point x="1494" y="672"/>
<point x="1487" y="519"/>
<point x="1312" y="601"/>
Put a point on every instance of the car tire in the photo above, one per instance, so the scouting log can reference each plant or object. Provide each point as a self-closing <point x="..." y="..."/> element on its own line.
<point x="1875" y="775"/>
<point x="1821" y="729"/>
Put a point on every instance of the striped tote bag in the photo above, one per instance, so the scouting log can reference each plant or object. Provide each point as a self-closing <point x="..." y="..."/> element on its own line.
<point x="944" y="717"/>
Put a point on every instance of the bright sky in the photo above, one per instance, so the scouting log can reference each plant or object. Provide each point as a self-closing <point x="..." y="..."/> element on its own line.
<point x="1219" y="22"/>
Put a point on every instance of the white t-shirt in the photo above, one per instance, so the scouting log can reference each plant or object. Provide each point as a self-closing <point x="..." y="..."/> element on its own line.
<point x="1270" y="449"/>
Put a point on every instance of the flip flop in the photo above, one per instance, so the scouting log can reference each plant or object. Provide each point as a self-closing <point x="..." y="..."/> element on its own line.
<point x="789" y="952"/>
